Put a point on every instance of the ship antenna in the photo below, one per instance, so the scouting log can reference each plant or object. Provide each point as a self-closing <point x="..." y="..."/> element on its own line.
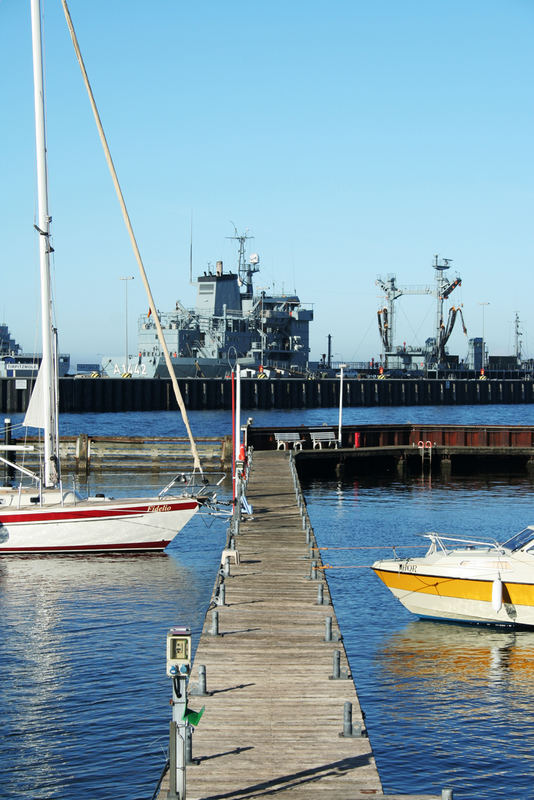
<point x="245" y="271"/>
<point x="191" y="250"/>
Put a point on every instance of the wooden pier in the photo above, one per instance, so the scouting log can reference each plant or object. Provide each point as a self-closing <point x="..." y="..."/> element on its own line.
<point x="85" y="454"/>
<point x="404" y="448"/>
<point x="274" y="719"/>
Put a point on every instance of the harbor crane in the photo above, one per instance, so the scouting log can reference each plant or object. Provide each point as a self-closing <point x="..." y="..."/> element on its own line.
<point x="441" y="291"/>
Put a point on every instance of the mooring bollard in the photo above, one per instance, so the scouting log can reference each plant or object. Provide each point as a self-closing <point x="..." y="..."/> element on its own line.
<point x="313" y="571"/>
<point x="336" y="668"/>
<point x="308" y="538"/>
<point x="347" y="719"/>
<point x="214" y="630"/>
<point x="188" y="745"/>
<point x="202" y="685"/>
<point x="320" y="594"/>
<point x="221" y="597"/>
<point x="328" y="629"/>
<point x="226" y="568"/>
<point x="348" y="729"/>
<point x="446" y="794"/>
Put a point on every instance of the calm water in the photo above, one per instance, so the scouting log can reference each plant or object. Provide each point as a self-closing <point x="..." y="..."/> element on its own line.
<point x="84" y="697"/>
<point x="446" y="705"/>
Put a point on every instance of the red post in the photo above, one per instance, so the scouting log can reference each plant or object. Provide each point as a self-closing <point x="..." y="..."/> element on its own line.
<point x="233" y="437"/>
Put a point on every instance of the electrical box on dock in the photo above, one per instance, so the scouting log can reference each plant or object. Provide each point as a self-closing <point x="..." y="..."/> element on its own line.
<point x="178" y="651"/>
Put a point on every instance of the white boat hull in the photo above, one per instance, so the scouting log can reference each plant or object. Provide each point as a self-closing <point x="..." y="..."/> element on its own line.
<point x="95" y="525"/>
<point x="439" y="595"/>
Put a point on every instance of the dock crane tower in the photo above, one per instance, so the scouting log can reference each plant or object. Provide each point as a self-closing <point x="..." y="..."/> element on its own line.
<point x="386" y="315"/>
<point x="442" y="290"/>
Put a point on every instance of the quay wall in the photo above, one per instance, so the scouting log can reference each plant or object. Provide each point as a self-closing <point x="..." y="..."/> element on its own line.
<point x="84" y="395"/>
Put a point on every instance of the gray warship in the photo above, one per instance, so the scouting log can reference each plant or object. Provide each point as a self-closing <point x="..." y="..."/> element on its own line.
<point x="266" y="334"/>
<point x="16" y="364"/>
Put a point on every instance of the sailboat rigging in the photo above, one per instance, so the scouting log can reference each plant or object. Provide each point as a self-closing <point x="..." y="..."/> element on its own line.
<point x="45" y="518"/>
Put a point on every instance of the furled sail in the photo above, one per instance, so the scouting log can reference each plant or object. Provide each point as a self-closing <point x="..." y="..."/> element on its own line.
<point x="34" y="417"/>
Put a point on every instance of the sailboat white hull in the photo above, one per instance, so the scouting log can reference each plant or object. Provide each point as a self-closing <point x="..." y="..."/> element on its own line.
<point x="95" y="525"/>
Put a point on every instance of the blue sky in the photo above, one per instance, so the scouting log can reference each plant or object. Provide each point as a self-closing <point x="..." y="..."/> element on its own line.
<point x="352" y="139"/>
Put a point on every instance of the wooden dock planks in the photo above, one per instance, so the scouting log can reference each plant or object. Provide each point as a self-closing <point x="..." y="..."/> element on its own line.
<point x="273" y="720"/>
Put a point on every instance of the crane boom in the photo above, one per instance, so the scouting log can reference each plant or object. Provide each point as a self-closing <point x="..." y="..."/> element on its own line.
<point x="441" y="291"/>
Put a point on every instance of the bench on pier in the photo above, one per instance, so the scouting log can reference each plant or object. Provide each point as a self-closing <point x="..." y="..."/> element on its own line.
<point x="323" y="437"/>
<point x="284" y="440"/>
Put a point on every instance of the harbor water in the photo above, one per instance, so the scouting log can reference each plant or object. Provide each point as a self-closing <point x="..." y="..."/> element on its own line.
<point x="84" y="697"/>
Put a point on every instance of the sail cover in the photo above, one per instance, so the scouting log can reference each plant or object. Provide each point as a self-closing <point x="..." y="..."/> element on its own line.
<point x="34" y="417"/>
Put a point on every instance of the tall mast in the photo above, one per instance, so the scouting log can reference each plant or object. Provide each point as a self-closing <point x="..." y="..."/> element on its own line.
<point x="43" y="228"/>
<point x="518" y="334"/>
<point x="245" y="270"/>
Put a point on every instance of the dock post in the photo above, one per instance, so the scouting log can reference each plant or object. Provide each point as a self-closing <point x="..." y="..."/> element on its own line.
<point x="328" y="629"/>
<point x="221" y="597"/>
<point x="188" y="745"/>
<point x="446" y="794"/>
<point x="336" y="668"/>
<point x="201" y="689"/>
<point x="347" y="719"/>
<point x="445" y="466"/>
<point x="320" y="594"/>
<point x="313" y="571"/>
<point x="202" y="679"/>
<point x="214" y="630"/>
<point x="348" y="729"/>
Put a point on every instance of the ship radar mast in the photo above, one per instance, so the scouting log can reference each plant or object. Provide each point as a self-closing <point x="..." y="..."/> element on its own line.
<point x="245" y="269"/>
<point x="518" y="334"/>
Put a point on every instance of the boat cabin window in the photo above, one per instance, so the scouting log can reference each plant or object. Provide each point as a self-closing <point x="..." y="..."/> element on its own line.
<point x="520" y="539"/>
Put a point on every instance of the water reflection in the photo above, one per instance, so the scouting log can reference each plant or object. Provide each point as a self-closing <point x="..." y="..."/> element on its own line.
<point x="451" y="654"/>
<point x="82" y="654"/>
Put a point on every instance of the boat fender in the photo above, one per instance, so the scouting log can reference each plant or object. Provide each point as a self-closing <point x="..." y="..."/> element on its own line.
<point x="496" y="595"/>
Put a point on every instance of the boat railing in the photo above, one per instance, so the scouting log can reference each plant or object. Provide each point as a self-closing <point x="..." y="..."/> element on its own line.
<point x="437" y="540"/>
<point x="19" y="467"/>
<point x="199" y="483"/>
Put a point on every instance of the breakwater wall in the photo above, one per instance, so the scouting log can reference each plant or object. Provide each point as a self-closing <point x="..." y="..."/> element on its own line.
<point x="84" y="395"/>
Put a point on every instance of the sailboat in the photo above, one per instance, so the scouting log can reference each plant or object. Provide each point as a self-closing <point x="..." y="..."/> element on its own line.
<point x="43" y="517"/>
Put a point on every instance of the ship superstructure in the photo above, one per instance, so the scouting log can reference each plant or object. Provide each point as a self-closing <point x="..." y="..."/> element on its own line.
<point x="265" y="333"/>
<point x="16" y="364"/>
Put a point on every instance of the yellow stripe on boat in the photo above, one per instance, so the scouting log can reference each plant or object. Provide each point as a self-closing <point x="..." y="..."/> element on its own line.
<point x="464" y="588"/>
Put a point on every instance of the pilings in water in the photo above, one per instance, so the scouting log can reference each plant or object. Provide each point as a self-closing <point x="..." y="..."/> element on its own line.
<point x="82" y="395"/>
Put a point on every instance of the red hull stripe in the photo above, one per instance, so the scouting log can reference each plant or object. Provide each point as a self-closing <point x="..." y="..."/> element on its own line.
<point x="161" y="545"/>
<point x="69" y="514"/>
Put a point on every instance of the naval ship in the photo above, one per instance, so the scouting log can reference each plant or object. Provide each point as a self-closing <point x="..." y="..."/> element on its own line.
<point x="16" y="364"/>
<point x="266" y="334"/>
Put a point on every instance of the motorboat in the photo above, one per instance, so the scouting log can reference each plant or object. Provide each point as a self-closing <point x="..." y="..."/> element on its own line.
<point x="466" y="580"/>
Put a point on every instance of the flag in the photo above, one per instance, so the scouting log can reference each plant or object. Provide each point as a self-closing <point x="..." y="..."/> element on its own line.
<point x="192" y="717"/>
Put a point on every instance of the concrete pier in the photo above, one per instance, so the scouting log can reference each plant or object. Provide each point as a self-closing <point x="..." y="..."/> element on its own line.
<point x="282" y="716"/>
<point x="83" y="395"/>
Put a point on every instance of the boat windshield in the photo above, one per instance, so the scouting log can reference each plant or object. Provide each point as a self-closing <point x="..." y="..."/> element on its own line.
<point x="520" y="539"/>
